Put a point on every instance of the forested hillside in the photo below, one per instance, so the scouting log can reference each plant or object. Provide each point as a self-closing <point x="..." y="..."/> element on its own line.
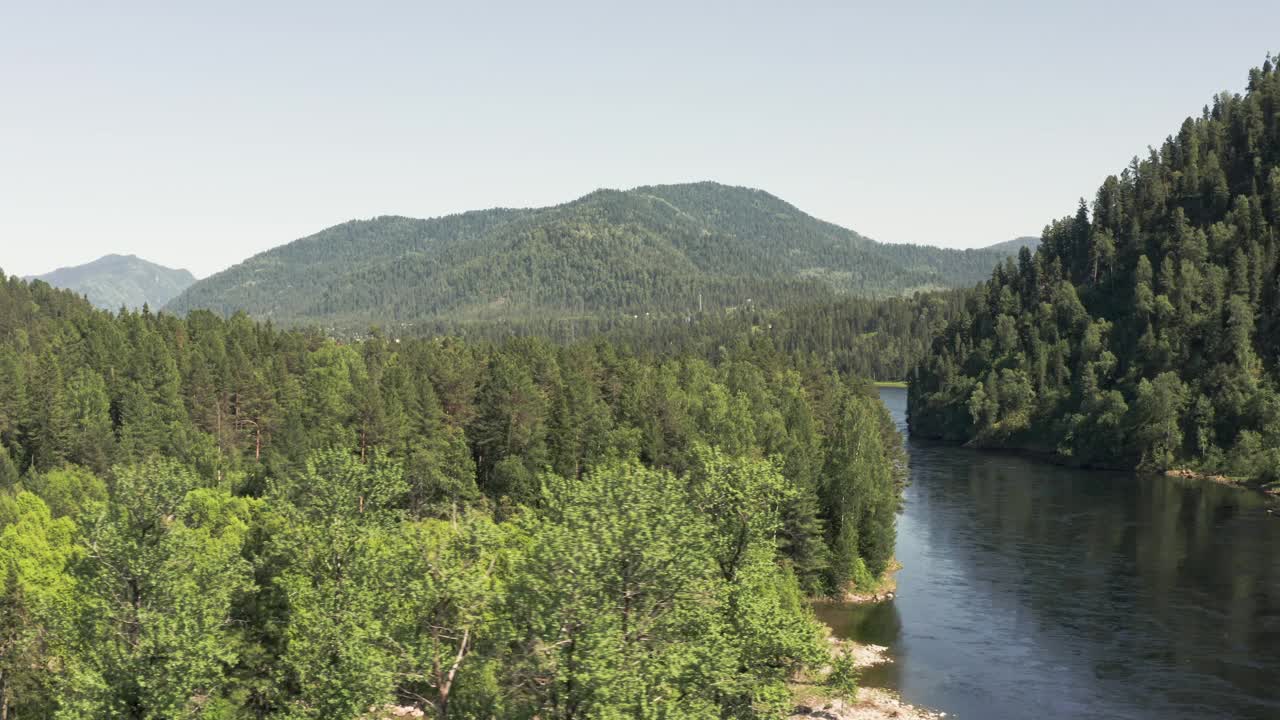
<point x="115" y="281"/>
<point x="207" y="517"/>
<point x="1145" y="330"/>
<point x="1011" y="248"/>
<point x="667" y="250"/>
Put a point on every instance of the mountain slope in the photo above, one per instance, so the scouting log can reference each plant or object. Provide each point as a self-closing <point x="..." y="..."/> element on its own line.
<point x="115" y="281"/>
<point x="1144" y="333"/>
<point x="1011" y="247"/>
<point x="659" y="249"/>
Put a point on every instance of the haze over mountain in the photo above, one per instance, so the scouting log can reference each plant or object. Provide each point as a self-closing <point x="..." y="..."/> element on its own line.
<point x="669" y="248"/>
<point x="115" y="281"/>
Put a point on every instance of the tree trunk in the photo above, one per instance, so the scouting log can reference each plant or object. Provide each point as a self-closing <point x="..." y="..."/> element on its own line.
<point x="447" y="683"/>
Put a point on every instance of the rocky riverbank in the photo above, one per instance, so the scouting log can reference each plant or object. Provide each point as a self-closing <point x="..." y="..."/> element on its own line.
<point x="1271" y="489"/>
<point x="813" y="697"/>
<point x="813" y="700"/>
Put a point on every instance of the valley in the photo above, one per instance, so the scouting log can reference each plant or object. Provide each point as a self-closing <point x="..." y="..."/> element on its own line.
<point x="674" y="452"/>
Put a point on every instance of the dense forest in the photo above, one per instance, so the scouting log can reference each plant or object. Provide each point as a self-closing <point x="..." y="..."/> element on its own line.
<point x="879" y="339"/>
<point x="1143" y="332"/>
<point x="669" y="250"/>
<point x="209" y="517"/>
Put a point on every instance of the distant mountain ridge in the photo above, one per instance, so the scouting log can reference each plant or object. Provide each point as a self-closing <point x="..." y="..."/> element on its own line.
<point x="1011" y="247"/>
<point x="115" y="281"/>
<point x="664" y="249"/>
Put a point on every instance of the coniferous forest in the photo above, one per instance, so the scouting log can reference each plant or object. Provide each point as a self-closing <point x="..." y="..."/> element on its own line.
<point x="207" y="517"/>
<point x="880" y="339"/>
<point x="1143" y="332"/>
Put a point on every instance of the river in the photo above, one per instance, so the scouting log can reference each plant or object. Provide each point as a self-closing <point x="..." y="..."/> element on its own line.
<point x="1031" y="590"/>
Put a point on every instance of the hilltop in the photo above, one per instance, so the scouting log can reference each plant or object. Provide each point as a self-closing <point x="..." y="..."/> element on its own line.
<point x="656" y="249"/>
<point x="115" y="281"/>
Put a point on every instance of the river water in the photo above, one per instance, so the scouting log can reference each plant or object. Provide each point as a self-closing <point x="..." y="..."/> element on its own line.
<point x="1034" y="591"/>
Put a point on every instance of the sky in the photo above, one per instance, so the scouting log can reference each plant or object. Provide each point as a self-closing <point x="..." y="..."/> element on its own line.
<point x="198" y="134"/>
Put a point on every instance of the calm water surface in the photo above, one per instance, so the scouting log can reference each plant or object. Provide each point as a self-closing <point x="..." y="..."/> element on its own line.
<point x="1030" y="590"/>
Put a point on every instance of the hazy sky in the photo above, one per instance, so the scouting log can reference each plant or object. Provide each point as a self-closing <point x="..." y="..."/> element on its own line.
<point x="197" y="134"/>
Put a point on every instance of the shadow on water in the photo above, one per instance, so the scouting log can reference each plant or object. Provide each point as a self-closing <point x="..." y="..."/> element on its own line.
<point x="1031" y="588"/>
<point x="870" y="623"/>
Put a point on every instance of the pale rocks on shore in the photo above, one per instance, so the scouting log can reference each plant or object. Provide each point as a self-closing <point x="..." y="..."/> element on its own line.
<point x="872" y="704"/>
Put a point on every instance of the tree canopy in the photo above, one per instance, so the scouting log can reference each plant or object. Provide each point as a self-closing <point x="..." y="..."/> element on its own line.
<point x="211" y="518"/>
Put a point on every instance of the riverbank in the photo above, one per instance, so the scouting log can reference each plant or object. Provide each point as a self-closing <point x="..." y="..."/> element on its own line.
<point x="1190" y="474"/>
<point x="1270" y="489"/>
<point x="884" y="589"/>
<point x="814" y="699"/>
<point x="1051" y="457"/>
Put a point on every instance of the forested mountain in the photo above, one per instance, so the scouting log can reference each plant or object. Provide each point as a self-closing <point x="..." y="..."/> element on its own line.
<point x="208" y="517"/>
<point x="662" y="250"/>
<point x="1145" y="331"/>
<point x="1010" y="248"/>
<point x="115" y="281"/>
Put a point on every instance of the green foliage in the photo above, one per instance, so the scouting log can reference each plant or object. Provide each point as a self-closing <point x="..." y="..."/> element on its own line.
<point x="8" y="472"/>
<point x="69" y="491"/>
<point x="89" y="412"/>
<point x="37" y="605"/>
<point x="842" y="681"/>
<point x="208" y="517"/>
<point x="1143" y="332"/>
<point x="446" y="581"/>
<point x="860" y="497"/>
<point x="622" y="606"/>
<point x="163" y="567"/>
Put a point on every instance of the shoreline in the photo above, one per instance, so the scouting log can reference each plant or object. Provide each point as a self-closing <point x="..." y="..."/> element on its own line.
<point x="813" y="700"/>
<point x="1271" y="490"/>
<point x="885" y="589"/>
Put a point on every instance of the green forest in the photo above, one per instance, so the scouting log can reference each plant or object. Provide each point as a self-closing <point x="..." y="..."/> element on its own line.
<point x="879" y="339"/>
<point x="659" y="251"/>
<point x="1143" y="331"/>
<point x="213" y="518"/>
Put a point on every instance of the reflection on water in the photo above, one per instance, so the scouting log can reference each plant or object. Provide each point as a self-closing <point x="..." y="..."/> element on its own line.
<point x="1035" y="590"/>
<point x="875" y="623"/>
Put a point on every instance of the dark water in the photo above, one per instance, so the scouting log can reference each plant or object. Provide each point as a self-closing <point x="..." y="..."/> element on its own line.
<point x="1030" y="590"/>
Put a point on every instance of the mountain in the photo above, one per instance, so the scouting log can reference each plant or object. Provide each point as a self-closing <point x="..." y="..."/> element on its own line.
<point x="1011" y="247"/>
<point x="655" y="249"/>
<point x="115" y="281"/>
<point x="1145" y="330"/>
